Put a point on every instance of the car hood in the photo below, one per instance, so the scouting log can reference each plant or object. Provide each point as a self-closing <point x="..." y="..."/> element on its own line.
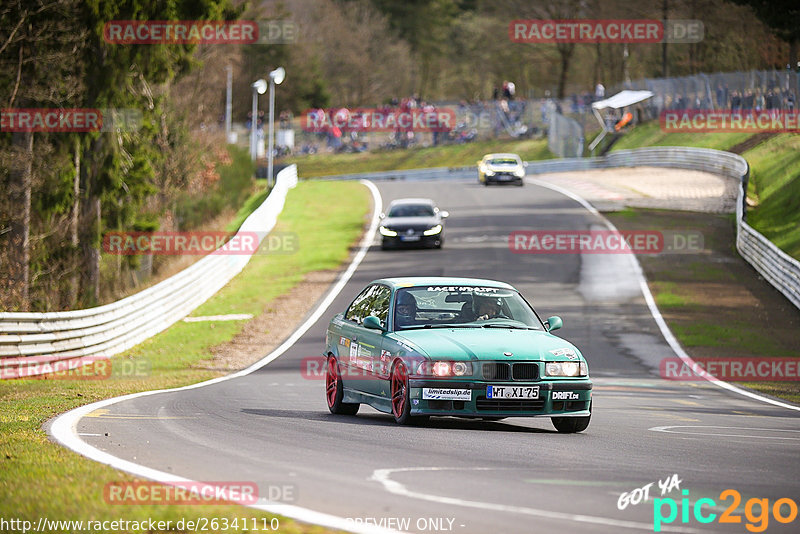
<point x="411" y="221"/>
<point x="486" y="344"/>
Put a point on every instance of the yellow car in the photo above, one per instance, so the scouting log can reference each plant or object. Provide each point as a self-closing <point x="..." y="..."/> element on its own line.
<point x="501" y="169"/>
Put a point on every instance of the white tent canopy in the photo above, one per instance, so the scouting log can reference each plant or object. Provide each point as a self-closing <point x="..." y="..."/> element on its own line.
<point x="620" y="100"/>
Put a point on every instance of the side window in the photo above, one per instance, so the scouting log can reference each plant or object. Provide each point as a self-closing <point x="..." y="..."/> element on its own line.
<point x="374" y="300"/>
<point x="359" y="307"/>
<point x="379" y="305"/>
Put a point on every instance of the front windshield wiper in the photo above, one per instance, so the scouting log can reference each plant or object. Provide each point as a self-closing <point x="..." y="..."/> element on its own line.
<point x="506" y="325"/>
<point x="439" y="326"/>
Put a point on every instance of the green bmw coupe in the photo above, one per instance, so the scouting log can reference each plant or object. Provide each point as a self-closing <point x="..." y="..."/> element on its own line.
<point x="464" y="347"/>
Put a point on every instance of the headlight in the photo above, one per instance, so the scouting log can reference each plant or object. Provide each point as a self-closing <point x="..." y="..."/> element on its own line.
<point x="389" y="233"/>
<point x="432" y="231"/>
<point x="519" y="172"/>
<point x="444" y="368"/>
<point x="487" y="172"/>
<point x="460" y="368"/>
<point x="441" y="369"/>
<point x="565" y="369"/>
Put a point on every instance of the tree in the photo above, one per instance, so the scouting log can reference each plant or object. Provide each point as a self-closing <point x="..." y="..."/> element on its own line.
<point x="38" y="53"/>
<point x="782" y="16"/>
<point x="425" y="25"/>
<point x="123" y="77"/>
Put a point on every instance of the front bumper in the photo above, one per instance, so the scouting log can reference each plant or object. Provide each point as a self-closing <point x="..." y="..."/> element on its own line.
<point x="561" y="398"/>
<point x="503" y="179"/>
<point x="411" y="241"/>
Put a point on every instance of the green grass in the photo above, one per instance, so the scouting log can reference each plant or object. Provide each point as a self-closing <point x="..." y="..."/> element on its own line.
<point x="650" y="134"/>
<point x="39" y="478"/>
<point x="416" y="158"/>
<point x="667" y="295"/>
<point x="739" y="335"/>
<point x="775" y="187"/>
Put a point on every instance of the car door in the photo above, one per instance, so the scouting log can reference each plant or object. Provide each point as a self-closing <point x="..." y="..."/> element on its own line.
<point x="360" y="348"/>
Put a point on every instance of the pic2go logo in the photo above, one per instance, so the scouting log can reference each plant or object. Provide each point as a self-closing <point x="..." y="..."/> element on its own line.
<point x="758" y="522"/>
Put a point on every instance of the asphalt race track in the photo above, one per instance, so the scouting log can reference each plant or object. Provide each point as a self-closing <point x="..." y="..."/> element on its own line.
<point x="272" y="426"/>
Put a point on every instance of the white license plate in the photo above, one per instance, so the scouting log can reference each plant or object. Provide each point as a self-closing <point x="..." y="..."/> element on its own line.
<point x="446" y="394"/>
<point x="512" y="392"/>
<point x="409" y="238"/>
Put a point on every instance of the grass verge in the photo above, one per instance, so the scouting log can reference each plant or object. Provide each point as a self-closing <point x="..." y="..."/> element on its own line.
<point x="650" y="134"/>
<point x="712" y="300"/>
<point x="416" y="158"/>
<point x="41" y="479"/>
<point x="774" y="189"/>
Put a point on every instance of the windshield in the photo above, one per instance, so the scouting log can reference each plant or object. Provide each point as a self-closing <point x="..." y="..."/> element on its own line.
<point x="503" y="161"/>
<point x="462" y="306"/>
<point x="412" y="210"/>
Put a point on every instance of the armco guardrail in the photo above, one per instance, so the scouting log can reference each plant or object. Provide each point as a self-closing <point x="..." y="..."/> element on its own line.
<point x="31" y="343"/>
<point x="777" y="267"/>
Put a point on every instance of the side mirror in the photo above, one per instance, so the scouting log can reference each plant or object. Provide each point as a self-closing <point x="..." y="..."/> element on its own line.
<point x="382" y="215"/>
<point x="373" y="323"/>
<point x="554" y="323"/>
<point x="444" y="214"/>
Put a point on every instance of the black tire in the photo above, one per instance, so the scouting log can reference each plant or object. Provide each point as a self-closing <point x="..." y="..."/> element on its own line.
<point x="334" y="391"/>
<point x="571" y="425"/>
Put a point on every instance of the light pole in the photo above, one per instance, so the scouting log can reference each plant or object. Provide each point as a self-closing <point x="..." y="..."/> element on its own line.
<point x="275" y="78"/>
<point x="228" y="104"/>
<point x="259" y="88"/>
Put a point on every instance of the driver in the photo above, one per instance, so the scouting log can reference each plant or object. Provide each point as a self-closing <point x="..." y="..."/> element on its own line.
<point x="488" y="308"/>
<point x="406" y="310"/>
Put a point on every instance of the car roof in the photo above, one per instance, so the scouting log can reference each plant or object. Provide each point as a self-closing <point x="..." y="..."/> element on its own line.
<point x="411" y="201"/>
<point x="417" y="281"/>
<point x="502" y="155"/>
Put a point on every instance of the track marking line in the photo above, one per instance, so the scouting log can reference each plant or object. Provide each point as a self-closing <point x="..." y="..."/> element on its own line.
<point x="686" y="402"/>
<point x="667" y="430"/>
<point x="668" y="415"/>
<point x="383" y="476"/>
<point x="64" y="427"/>
<point x="670" y="338"/>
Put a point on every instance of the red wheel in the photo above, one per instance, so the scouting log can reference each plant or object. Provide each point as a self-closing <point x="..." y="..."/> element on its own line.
<point x="401" y="408"/>
<point x="334" y="391"/>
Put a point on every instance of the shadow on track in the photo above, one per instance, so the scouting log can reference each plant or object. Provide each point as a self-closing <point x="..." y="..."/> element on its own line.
<point x="443" y="423"/>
